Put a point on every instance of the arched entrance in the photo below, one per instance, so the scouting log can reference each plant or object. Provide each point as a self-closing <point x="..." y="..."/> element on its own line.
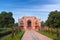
<point x="29" y="24"/>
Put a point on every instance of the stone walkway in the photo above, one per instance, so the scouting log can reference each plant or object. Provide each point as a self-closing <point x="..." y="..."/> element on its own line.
<point x="33" y="35"/>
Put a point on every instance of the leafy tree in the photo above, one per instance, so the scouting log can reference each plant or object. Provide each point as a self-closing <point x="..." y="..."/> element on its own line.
<point x="6" y="19"/>
<point x="54" y="20"/>
<point x="16" y="24"/>
<point x="42" y="24"/>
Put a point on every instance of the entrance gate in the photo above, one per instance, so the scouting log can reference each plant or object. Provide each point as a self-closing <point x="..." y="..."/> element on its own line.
<point x="28" y="24"/>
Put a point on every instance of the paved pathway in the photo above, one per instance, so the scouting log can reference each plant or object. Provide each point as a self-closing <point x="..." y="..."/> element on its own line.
<point x="33" y="35"/>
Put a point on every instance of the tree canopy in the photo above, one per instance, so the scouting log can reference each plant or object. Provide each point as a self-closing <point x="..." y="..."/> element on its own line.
<point x="6" y="19"/>
<point x="53" y="19"/>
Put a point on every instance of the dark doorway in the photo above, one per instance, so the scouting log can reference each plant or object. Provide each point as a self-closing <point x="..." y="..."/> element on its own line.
<point x="28" y="23"/>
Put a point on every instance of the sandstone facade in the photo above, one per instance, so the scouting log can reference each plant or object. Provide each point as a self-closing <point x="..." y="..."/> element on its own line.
<point x="29" y="23"/>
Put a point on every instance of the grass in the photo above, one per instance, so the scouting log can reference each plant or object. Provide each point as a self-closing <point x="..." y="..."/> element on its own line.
<point x="49" y="34"/>
<point x="4" y="30"/>
<point x="17" y="36"/>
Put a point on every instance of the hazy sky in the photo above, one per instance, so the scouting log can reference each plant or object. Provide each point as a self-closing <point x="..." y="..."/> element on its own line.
<point x="38" y="8"/>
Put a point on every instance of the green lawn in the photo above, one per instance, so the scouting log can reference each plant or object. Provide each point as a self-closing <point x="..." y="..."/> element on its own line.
<point x="49" y="34"/>
<point x="4" y="30"/>
<point x="17" y="36"/>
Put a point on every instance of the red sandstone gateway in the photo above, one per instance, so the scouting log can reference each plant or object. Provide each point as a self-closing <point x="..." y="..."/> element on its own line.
<point x="29" y="23"/>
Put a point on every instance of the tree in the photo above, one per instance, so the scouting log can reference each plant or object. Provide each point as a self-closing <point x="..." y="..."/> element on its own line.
<point x="6" y="19"/>
<point x="54" y="20"/>
<point x="16" y="24"/>
<point x="42" y="24"/>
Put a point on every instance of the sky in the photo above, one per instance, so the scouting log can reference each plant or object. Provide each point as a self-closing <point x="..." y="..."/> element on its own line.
<point x="38" y="8"/>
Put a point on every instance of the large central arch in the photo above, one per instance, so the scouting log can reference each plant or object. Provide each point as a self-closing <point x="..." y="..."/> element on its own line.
<point x="29" y="24"/>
